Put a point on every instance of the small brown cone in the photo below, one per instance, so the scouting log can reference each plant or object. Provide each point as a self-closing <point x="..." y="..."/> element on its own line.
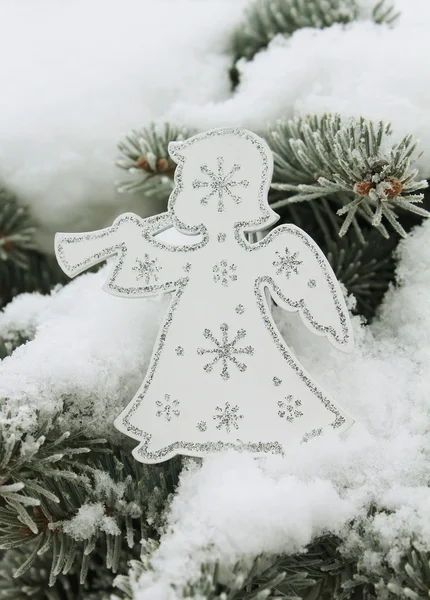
<point x="394" y="188"/>
<point x="162" y="165"/>
<point x="362" y="188"/>
<point x="142" y="163"/>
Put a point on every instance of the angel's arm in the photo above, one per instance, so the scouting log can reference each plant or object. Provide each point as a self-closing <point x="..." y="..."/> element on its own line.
<point x="301" y="279"/>
<point x="142" y="266"/>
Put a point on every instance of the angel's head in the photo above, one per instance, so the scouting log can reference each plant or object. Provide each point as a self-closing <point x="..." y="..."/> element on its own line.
<point x="222" y="178"/>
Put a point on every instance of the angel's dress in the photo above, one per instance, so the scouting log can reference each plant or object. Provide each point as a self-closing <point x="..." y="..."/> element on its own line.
<point x="221" y="376"/>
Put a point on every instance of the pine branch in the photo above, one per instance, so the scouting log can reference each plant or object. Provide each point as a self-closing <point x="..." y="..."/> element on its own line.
<point x="22" y="267"/>
<point x="354" y="164"/>
<point x="395" y="572"/>
<point x="383" y="13"/>
<point x="53" y="501"/>
<point x="16" y="231"/>
<point x="9" y="343"/>
<point x="34" y="582"/>
<point x="412" y="579"/>
<point x="146" y="158"/>
<point x="264" y="20"/>
<point x="318" y="573"/>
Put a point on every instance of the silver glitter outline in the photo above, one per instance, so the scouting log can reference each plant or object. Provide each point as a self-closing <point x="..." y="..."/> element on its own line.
<point x="120" y="250"/>
<point x="268" y="215"/>
<point x="268" y="218"/>
<point x="260" y="284"/>
<point x="300" y="305"/>
<point x="176" y="447"/>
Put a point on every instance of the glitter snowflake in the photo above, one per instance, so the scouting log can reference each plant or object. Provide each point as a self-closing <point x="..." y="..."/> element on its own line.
<point x="224" y="273"/>
<point x="168" y="408"/>
<point x="147" y="269"/>
<point x="225" y="351"/>
<point x="227" y="417"/>
<point x="287" y="264"/>
<point x="220" y="183"/>
<point x="289" y="409"/>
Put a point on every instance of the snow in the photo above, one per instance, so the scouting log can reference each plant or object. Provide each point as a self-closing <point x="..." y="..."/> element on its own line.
<point x="77" y="76"/>
<point x="374" y="76"/>
<point x="87" y="357"/>
<point x="89" y="519"/>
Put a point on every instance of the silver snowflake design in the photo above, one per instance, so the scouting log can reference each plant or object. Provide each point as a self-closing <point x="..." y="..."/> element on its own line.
<point x="221" y="237"/>
<point x="287" y="264"/>
<point x="187" y="267"/>
<point x="147" y="269"/>
<point x="227" y="417"/>
<point x="168" y="408"/>
<point x="289" y="409"/>
<point x="224" y="273"/>
<point x="225" y="351"/>
<point x="312" y="283"/>
<point x="179" y="351"/>
<point x="202" y="426"/>
<point x="276" y="381"/>
<point x="220" y="184"/>
<point x="240" y="309"/>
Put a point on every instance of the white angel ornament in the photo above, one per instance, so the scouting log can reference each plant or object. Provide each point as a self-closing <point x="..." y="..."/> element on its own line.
<point x="221" y="376"/>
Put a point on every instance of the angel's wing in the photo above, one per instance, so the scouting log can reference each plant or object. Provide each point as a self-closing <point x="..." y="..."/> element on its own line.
<point x="142" y="265"/>
<point x="301" y="279"/>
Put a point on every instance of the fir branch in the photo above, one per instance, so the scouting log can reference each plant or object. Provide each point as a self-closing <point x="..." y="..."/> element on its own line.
<point x="146" y="158"/>
<point x="320" y="572"/>
<point x="34" y="582"/>
<point x="264" y="20"/>
<point x="353" y="163"/>
<point x="53" y="501"/>
<point x="24" y="459"/>
<point x="383" y="13"/>
<point x="22" y="267"/>
<point x="10" y="342"/>
<point x="412" y="579"/>
<point x="399" y="569"/>
<point x="16" y="231"/>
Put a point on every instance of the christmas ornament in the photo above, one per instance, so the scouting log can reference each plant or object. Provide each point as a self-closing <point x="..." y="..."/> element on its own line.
<point x="221" y="376"/>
